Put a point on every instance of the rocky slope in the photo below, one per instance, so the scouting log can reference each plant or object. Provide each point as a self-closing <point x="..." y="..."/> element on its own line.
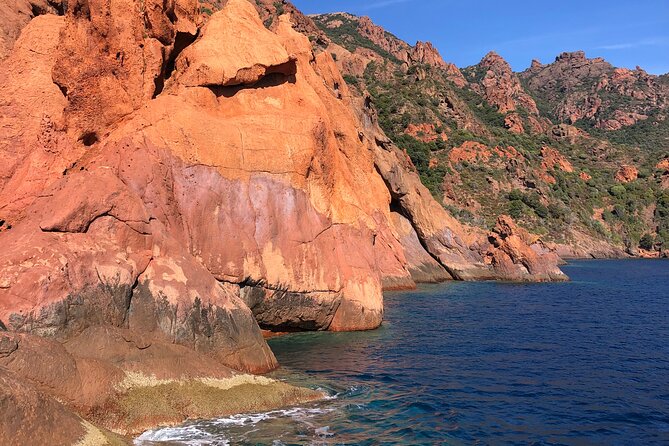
<point x="592" y="90"/>
<point x="174" y="179"/>
<point x="569" y="149"/>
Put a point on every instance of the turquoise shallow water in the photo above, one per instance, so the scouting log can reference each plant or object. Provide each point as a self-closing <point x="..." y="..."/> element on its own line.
<point x="578" y="363"/>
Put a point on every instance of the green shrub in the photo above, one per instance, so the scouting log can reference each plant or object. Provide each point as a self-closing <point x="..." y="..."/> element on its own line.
<point x="557" y="211"/>
<point x="647" y="242"/>
<point x="516" y="209"/>
<point x="515" y="195"/>
<point x="351" y="80"/>
<point x="279" y="8"/>
<point x="617" y="190"/>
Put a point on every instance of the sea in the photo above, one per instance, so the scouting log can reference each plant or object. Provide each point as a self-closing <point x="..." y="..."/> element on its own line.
<point x="579" y="363"/>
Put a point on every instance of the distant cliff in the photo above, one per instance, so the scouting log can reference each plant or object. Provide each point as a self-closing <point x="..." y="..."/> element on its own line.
<point x="574" y="150"/>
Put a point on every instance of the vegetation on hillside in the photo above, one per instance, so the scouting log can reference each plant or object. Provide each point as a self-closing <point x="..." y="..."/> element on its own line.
<point x="545" y="199"/>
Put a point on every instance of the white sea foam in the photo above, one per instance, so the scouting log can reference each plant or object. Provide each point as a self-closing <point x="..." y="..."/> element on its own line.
<point x="198" y="435"/>
<point x="186" y="435"/>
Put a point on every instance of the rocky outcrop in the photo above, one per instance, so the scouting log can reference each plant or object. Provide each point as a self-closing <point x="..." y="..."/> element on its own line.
<point x="422" y="266"/>
<point x="425" y="132"/>
<point x="381" y="43"/>
<point x="501" y="87"/>
<point x="584" y="246"/>
<point x="30" y="417"/>
<point x="512" y="246"/>
<point x="542" y="188"/>
<point x="466" y="253"/>
<point x="554" y="160"/>
<point x="627" y="174"/>
<point x="207" y="63"/>
<point x="382" y="38"/>
<point x="121" y="381"/>
<point x="425" y="53"/>
<point x="567" y="133"/>
<point x="271" y="10"/>
<point x="593" y="90"/>
<point x="16" y="15"/>
<point x="353" y="63"/>
<point x="495" y="81"/>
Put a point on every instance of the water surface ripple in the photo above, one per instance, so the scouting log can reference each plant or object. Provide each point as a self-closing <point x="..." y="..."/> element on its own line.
<point x="578" y="363"/>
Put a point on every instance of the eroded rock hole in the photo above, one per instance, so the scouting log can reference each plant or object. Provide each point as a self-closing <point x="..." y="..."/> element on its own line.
<point x="89" y="138"/>
<point x="274" y="76"/>
<point x="337" y="91"/>
<point x="51" y="7"/>
<point x="396" y="207"/>
<point x="171" y="15"/>
<point x="368" y="102"/>
<point x="36" y="10"/>
<point x="271" y="80"/>
<point x="59" y="6"/>
<point x="287" y="69"/>
<point x="82" y="9"/>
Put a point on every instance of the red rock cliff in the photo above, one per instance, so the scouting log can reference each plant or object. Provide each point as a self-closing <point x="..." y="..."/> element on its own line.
<point x="185" y="181"/>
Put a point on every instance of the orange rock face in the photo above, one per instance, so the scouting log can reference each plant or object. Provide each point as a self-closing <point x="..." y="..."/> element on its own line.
<point x="514" y="123"/>
<point x="627" y="174"/>
<point x="425" y="132"/>
<point x="17" y="13"/>
<point x="512" y="246"/>
<point x="426" y="53"/>
<point x="552" y="159"/>
<point x="380" y="37"/>
<point x="663" y="165"/>
<point x="470" y="151"/>
<point x="589" y="85"/>
<point x="464" y="252"/>
<point x="475" y="152"/>
<point x="501" y="87"/>
<point x="192" y="183"/>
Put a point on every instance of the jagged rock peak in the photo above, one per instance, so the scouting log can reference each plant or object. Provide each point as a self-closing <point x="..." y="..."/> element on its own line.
<point x="493" y="58"/>
<point x="501" y="87"/>
<point x="493" y="61"/>
<point x="536" y="64"/>
<point x="383" y="39"/>
<point x="425" y="52"/>
<point x="575" y="55"/>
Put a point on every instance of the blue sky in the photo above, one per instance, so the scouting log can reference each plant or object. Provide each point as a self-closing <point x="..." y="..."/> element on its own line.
<point x="625" y="32"/>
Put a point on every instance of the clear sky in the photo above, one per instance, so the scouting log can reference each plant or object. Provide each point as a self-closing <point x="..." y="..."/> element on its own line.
<point x="625" y="32"/>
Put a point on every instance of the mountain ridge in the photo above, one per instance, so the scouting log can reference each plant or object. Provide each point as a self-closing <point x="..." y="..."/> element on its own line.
<point x="614" y="124"/>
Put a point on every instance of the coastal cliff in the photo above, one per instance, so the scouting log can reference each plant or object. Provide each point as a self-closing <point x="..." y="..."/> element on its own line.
<point x="169" y="186"/>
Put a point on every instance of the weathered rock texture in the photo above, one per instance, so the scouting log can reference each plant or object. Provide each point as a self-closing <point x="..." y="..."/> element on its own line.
<point x="15" y="14"/>
<point x="118" y="380"/>
<point x="496" y="82"/>
<point x="592" y="90"/>
<point x="171" y="176"/>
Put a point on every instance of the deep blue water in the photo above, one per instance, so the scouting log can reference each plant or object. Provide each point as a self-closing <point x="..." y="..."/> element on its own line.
<point x="578" y="363"/>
